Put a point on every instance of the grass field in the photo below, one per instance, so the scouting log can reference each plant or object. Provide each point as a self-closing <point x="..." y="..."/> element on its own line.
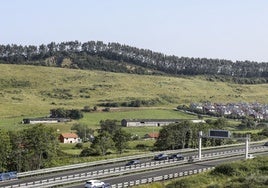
<point x="93" y="119"/>
<point x="31" y="91"/>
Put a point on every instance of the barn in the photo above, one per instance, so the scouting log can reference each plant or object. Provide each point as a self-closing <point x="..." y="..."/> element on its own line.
<point x="147" y="122"/>
<point x="153" y="122"/>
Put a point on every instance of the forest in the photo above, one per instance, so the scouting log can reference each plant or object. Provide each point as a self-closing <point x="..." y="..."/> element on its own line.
<point x="115" y="57"/>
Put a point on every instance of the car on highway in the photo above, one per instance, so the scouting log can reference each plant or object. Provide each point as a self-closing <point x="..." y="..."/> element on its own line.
<point x="8" y="176"/>
<point x="160" y="157"/>
<point x="176" y="156"/>
<point x="107" y="185"/>
<point x="94" y="184"/>
<point x="250" y="156"/>
<point x="133" y="162"/>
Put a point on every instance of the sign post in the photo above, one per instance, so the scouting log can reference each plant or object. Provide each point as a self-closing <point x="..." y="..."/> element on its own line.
<point x="219" y="134"/>
<point x="199" y="145"/>
<point x="247" y="145"/>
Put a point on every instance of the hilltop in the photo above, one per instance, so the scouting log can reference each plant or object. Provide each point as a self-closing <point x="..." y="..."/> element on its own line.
<point x="115" y="57"/>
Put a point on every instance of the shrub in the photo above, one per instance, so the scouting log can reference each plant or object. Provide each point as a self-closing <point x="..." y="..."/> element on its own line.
<point x="79" y="145"/>
<point x="141" y="146"/>
<point x="106" y="109"/>
<point x="87" y="152"/>
<point x="225" y="169"/>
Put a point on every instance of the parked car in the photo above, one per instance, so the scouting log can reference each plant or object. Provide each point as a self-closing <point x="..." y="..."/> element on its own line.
<point x="94" y="184"/>
<point x="133" y="162"/>
<point x="161" y="156"/>
<point x="176" y="156"/>
<point x="265" y="144"/>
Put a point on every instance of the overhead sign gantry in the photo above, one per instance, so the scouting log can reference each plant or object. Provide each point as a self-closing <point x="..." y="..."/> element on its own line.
<point x="223" y="134"/>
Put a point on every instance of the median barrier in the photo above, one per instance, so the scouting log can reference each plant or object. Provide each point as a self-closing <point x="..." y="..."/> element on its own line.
<point x="124" y="170"/>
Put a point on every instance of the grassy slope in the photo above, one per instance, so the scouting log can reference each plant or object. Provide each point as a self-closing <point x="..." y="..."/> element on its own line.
<point x="31" y="91"/>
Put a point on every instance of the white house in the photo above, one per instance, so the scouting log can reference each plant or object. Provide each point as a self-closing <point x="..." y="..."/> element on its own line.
<point x="69" y="138"/>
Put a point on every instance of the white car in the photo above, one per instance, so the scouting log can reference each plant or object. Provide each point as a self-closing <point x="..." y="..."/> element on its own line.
<point x="250" y="156"/>
<point x="94" y="184"/>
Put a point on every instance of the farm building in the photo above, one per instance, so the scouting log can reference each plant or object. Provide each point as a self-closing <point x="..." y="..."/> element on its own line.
<point x="44" y="120"/>
<point x="151" y="136"/>
<point x="69" y="138"/>
<point x="152" y="122"/>
<point x="147" y="122"/>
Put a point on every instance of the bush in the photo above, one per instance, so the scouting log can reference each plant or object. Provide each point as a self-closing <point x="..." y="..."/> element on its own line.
<point x="225" y="169"/>
<point x="87" y="152"/>
<point x="106" y="109"/>
<point x="141" y="146"/>
<point x="79" y="145"/>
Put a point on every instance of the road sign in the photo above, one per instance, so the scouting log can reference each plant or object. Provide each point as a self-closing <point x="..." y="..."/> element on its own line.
<point x="219" y="134"/>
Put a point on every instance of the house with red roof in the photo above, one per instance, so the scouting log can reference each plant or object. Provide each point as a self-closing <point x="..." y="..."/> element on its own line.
<point x="151" y="136"/>
<point x="69" y="138"/>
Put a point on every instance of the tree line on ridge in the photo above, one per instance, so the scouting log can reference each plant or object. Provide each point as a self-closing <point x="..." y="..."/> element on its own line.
<point x="116" y="57"/>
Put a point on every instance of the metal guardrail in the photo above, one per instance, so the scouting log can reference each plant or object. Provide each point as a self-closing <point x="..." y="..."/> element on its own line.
<point x="102" y="162"/>
<point x="160" y="178"/>
<point x="126" y="169"/>
<point x="95" y="163"/>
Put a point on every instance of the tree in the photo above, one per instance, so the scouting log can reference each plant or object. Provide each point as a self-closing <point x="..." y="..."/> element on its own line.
<point x="264" y="132"/>
<point x="121" y="139"/>
<point x="5" y="150"/>
<point x="177" y="135"/>
<point x="220" y="123"/>
<point x="109" y="125"/>
<point x="75" y="114"/>
<point x="83" y="131"/>
<point x="40" y="145"/>
<point x="62" y="113"/>
<point x="59" y="113"/>
<point x="102" y="143"/>
<point x="87" y="152"/>
<point x="164" y="140"/>
<point x="16" y="158"/>
<point x="247" y="123"/>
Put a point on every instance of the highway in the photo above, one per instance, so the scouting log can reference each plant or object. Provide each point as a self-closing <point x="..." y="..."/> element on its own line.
<point x="114" y="165"/>
<point x="165" y="171"/>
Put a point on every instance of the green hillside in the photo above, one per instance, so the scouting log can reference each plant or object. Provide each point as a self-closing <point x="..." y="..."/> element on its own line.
<point x="33" y="90"/>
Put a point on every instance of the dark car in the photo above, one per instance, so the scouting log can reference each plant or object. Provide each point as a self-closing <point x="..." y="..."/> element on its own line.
<point x="176" y="156"/>
<point x="107" y="185"/>
<point x="266" y="144"/>
<point x="161" y="156"/>
<point x="133" y="162"/>
<point x="8" y="175"/>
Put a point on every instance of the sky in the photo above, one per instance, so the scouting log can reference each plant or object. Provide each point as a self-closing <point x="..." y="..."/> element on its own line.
<point x="234" y="30"/>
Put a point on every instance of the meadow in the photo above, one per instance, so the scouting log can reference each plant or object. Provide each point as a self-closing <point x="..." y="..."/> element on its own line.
<point x="31" y="91"/>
